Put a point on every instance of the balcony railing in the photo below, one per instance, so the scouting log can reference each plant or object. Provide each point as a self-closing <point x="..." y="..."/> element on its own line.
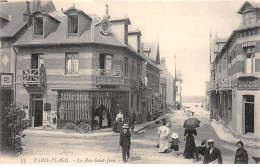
<point x="109" y="77"/>
<point x="212" y="85"/>
<point x="224" y="82"/>
<point x="33" y="77"/>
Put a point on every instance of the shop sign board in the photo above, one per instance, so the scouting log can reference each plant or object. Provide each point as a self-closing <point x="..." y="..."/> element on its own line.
<point x="6" y="79"/>
<point x="248" y="83"/>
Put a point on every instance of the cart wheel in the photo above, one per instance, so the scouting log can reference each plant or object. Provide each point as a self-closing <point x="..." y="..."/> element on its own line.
<point x="84" y="128"/>
<point x="70" y="127"/>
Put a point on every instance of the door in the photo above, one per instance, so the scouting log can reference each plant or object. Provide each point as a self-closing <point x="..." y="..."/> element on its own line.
<point x="36" y="61"/>
<point x="36" y="109"/>
<point x="249" y="114"/>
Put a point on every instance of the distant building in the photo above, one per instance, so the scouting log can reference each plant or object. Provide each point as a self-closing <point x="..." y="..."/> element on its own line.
<point x="234" y="86"/>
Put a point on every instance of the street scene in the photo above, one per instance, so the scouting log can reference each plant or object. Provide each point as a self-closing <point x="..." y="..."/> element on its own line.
<point x="111" y="82"/>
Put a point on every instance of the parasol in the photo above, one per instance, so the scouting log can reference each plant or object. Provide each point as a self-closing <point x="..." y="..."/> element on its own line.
<point x="191" y="123"/>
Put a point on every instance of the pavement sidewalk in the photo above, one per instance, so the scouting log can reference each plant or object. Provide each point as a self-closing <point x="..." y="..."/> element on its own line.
<point x="96" y="133"/>
<point x="226" y="135"/>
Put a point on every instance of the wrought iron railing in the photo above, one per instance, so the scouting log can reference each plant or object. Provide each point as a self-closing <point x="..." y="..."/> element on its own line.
<point x="224" y="82"/>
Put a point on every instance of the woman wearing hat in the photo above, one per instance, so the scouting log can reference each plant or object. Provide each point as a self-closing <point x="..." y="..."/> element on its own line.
<point x="190" y="147"/>
<point x="241" y="156"/>
<point x="125" y="142"/>
<point x="164" y="133"/>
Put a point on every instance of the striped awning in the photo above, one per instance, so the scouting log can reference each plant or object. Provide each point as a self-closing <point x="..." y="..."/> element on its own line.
<point x="248" y="44"/>
<point x="105" y="101"/>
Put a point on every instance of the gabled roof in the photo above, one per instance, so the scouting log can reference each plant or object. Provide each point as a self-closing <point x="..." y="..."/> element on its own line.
<point x="246" y="4"/>
<point x="15" y="11"/>
<point x="45" y="14"/>
<point x="77" y="10"/>
<point x="152" y="47"/>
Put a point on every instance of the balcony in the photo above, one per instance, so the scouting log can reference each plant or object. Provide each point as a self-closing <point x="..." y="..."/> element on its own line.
<point x="224" y="83"/>
<point x="109" y="78"/>
<point x="212" y="85"/>
<point x="34" y="78"/>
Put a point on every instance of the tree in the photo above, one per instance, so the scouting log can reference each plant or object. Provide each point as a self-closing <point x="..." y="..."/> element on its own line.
<point x="13" y="123"/>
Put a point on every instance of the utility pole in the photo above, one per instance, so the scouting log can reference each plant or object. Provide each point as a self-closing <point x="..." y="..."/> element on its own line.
<point x="175" y="86"/>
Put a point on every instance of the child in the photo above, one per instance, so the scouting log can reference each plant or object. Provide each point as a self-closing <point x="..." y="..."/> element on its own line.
<point x="175" y="144"/>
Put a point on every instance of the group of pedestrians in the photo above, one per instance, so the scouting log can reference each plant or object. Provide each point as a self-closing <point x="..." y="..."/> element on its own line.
<point x="210" y="154"/>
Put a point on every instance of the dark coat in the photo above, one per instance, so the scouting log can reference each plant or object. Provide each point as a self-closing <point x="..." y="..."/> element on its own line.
<point x="132" y="117"/>
<point x="216" y="154"/>
<point x="125" y="139"/>
<point x="241" y="156"/>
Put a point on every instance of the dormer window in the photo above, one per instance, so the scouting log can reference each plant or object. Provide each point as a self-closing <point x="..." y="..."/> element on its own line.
<point x="38" y="26"/>
<point x="72" y="24"/>
<point x="249" y="18"/>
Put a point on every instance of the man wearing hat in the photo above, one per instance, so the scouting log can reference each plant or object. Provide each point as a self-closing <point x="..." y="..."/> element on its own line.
<point x="125" y="142"/>
<point x="213" y="154"/>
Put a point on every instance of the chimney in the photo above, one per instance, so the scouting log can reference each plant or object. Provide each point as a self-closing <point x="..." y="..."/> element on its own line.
<point x="36" y="5"/>
<point x="106" y="15"/>
<point x="26" y="14"/>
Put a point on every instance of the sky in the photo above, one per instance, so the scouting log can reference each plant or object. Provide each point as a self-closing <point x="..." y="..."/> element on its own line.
<point x="181" y="28"/>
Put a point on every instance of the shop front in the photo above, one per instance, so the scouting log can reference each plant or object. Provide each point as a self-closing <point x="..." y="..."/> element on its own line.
<point x="97" y="108"/>
<point x="246" y="112"/>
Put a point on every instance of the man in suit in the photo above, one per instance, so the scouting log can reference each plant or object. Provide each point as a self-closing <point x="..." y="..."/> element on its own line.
<point x="213" y="154"/>
<point x="132" y="117"/>
<point x="125" y="142"/>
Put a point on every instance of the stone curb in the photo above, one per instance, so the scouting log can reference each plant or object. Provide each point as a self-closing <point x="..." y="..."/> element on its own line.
<point x="150" y="123"/>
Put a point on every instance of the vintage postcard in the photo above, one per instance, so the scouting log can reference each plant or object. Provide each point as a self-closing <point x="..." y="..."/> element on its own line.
<point x="129" y="82"/>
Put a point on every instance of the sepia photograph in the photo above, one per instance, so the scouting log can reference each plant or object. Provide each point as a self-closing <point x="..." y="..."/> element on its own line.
<point x="129" y="82"/>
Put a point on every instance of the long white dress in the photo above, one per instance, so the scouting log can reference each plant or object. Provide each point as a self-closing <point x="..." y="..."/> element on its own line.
<point x="164" y="133"/>
<point x="104" y="119"/>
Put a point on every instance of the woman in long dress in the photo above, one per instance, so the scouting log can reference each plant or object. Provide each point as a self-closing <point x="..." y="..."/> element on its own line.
<point x="119" y="120"/>
<point x="164" y="133"/>
<point x="190" y="146"/>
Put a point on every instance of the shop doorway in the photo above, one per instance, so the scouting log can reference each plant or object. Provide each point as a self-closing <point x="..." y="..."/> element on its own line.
<point x="37" y="109"/>
<point x="102" y="117"/>
<point x="249" y="113"/>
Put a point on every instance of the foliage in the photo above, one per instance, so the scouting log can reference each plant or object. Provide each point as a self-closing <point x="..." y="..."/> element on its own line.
<point x="12" y="125"/>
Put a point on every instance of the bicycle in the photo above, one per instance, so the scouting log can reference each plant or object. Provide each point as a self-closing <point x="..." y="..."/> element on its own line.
<point x="82" y="127"/>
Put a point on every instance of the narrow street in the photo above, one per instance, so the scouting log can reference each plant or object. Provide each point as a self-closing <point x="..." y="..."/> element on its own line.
<point x="80" y="149"/>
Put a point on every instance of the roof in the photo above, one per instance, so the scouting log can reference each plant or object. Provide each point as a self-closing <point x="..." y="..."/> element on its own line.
<point x="245" y="4"/>
<point x="16" y="10"/>
<point x="221" y="40"/>
<point x="151" y="46"/>
<point x="121" y="19"/>
<point x="43" y="13"/>
<point x="59" y="36"/>
<point x="77" y="10"/>
<point x="135" y="32"/>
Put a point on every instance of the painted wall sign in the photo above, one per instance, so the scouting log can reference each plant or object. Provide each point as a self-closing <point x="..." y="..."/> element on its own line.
<point x="248" y="83"/>
<point x="6" y="79"/>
